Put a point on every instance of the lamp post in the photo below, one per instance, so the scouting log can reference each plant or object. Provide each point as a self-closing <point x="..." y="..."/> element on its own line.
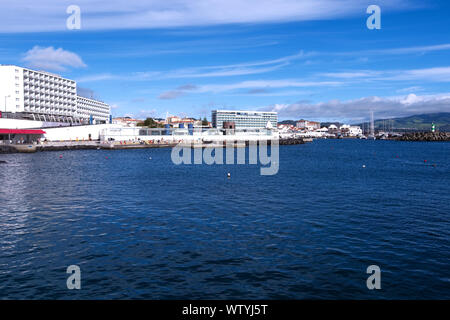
<point x="5" y="101"/>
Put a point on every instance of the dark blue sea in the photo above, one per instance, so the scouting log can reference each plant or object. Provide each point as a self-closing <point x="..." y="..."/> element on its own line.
<point x="140" y="227"/>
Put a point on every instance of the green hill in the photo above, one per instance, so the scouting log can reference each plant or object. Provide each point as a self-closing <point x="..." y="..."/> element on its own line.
<point x="416" y="122"/>
<point x="292" y="122"/>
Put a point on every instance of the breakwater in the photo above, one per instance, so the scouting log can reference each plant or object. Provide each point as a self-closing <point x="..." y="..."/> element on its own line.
<point x="95" y="145"/>
<point x="292" y="141"/>
<point x="425" y="136"/>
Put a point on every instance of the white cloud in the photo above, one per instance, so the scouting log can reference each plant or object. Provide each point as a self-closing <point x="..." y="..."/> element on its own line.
<point x="420" y="49"/>
<point x="150" y="113"/>
<point x="352" y="74"/>
<point x="410" y="89"/>
<point x="52" y="59"/>
<point x="172" y="94"/>
<point x="50" y="15"/>
<point x="251" y="87"/>
<point x="246" y="68"/>
<point x="98" y="77"/>
<point x="358" y="109"/>
<point x="178" y="92"/>
<point x="440" y="74"/>
<point x="265" y="84"/>
<point x="437" y="74"/>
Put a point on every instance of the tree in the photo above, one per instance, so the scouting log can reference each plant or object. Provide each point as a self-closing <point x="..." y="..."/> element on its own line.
<point x="205" y="122"/>
<point x="149" y="122"/>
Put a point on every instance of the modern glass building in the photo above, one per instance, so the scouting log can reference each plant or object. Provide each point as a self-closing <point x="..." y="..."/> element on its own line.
<point x="244" y="119"/>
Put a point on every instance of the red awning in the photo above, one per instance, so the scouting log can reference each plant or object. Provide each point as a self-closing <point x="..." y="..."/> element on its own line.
<point x="21" y="131"/>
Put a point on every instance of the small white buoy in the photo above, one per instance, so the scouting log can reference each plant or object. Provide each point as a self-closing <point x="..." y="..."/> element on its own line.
<point x="149" y="158"/>
<point x="228" y="175"/>
<point x="364" y="165"/>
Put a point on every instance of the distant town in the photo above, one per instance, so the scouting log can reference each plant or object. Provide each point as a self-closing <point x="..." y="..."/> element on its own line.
<point x="42" y="109"/>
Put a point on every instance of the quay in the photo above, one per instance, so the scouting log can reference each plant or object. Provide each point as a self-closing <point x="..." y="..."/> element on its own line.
<point x="127" y="145"/>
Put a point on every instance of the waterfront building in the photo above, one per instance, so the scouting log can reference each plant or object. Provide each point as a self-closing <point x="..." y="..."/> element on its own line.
<point x="351" y="131"/>
<point x="126" y="121"/>
<point x="177" y="122"/>
<point x="333" y="129"/>
<point x="244" y="119"/>
<point x="90" y="110"/>
<point x="44" y="96"/>
<point x="308" y="125"/>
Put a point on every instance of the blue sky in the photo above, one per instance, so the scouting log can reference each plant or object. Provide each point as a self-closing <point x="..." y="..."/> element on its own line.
<point x="304" y="59"/>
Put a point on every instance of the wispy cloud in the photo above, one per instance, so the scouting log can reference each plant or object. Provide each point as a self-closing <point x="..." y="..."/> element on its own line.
<point x="50" y="15"/>
<point x="437" y="74"/>
<point x="361" y="55"/>
<point x="98" y="77"/>
<point x="247" y="68"/>
<point x="410" y="89"/>
<point x="262" y="87"/>
<point x="271" y="93"/>
<point x="265" y="84"/>
<point x="419" y="49"/>
<point x="178" y="92"/>
<point x="52" y="59"/>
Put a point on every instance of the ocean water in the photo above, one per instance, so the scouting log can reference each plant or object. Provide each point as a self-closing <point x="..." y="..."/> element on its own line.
<point x="140" y="227"/>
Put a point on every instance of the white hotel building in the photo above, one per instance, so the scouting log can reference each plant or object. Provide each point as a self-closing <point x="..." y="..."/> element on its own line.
<point x="43" y="96"/>
<point x="244" y="119"/>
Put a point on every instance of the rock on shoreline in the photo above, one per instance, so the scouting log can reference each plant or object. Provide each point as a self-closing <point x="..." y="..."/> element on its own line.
<point x="291" y="141"/>
<point x="425" y="136"/>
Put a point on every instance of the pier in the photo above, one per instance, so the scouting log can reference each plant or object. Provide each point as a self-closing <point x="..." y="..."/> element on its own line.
<point x="127" y="145"/>
<point x="425" y="136"/>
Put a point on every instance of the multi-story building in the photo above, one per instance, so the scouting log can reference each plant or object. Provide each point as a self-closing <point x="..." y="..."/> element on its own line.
<point x="352" y="131"/>
<point x="126" y="121"/>
<point x="244" y="119"/>
<point x="44" y="96"/>
<point x="90" y="110"/>
<point x="308" y="125"/>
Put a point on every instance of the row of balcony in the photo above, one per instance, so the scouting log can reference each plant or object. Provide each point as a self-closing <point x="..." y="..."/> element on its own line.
<point x="41" y="85"/>
<point x="50" y="105"/>
<point x="56" y="101"/>
<point x="46" y="77"/>
<point x="51" y="82"/>
<point x="50" y="96"/>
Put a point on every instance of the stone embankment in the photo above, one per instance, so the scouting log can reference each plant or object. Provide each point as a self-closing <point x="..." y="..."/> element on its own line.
<point x="425" y="136"/>
<point x="291" y="141"/>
